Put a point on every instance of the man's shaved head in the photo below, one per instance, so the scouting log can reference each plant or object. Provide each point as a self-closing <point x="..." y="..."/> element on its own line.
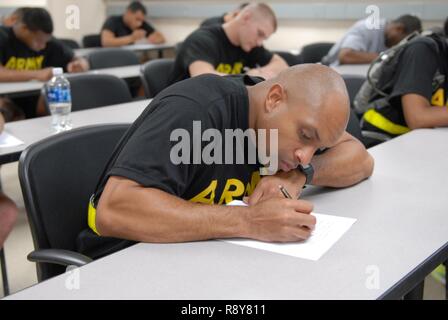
<point x="309" y="105"/>
<point x="319" y="88"/>
<point x="261" y="11"/>
<point x="253" y="25"/>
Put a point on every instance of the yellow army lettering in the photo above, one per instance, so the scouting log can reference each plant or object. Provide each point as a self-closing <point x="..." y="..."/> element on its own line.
<point x="31" y="63"/>
<point x="233" y="189"/>
<point x="228" y="69"/>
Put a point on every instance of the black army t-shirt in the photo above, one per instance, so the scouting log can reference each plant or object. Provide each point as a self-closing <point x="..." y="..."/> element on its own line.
<point x="421" y="70"/>
<point x="120" y="29"/>
<point x="210" y="44"/>
<point x="185" y="114"/>
<point x="15" y="55"/>
<point x="213" y="21"/>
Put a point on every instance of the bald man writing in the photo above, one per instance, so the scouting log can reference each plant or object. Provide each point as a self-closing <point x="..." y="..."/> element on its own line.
<point x="180" y="161"/>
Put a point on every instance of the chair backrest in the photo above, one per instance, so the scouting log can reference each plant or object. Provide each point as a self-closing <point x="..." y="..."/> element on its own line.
<point x="354" y="126"/>
<point x="155" y="76"/>
<point x="91" y="41"/>
<point x="57" y="176"/>
<point x="290" y="58"/>
<point x="72" y="44"/>
<point x="96" y="90"/>
<point x="112" y="57"/>
<point x="314" y="52"/>
<point x="353" y="84"/>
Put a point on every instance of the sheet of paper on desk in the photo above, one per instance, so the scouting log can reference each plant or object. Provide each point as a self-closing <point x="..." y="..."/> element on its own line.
<point x="329" y="229"/>
<point x="7" y="140"/>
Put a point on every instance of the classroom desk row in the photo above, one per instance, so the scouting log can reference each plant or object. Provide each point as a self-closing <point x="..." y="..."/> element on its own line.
<point x="399" y="237"/>
<point x="352" y="69"/>
<point x="138" y="47"/>
<point x="15" y="88"/>
<point x="32" y="130"/>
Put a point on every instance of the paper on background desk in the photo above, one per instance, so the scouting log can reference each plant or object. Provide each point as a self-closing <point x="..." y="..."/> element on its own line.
<point x="329" y="229"/>
<point x="8" y="140"/>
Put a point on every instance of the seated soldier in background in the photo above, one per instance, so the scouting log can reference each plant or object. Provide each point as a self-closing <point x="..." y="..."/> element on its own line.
<point x="362" y="43"/>
<point x="235" y="47"/>
<point x="29" y="52"/>
<point x="418" y="96"/>
<point x="128" y="28"/>
<point x="224" y="18"/>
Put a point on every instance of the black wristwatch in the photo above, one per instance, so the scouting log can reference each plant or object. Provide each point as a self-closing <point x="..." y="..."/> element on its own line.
<point x="308" y="171"/>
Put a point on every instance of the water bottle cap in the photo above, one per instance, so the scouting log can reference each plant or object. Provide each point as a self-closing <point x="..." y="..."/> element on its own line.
<point x="57" y="71"/>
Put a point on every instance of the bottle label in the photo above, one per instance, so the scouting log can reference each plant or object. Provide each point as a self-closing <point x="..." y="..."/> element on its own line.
<point x="58" y="95"/>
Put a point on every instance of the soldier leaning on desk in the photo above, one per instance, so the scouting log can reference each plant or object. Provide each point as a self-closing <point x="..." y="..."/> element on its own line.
<point x="364" y="41"/>
<point x="147" y="195"/>
<point x="28" y="52"/>
<point x="418" y="96"/>
<point x="128" y="28"/>
<point x="231" y="48"/>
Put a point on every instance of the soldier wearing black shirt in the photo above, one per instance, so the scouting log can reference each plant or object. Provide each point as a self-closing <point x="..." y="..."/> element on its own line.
<point x="128" y="28"/>
<point x="233" y="48"/>
<point x="147" y="195"/>
<point x="29" y="52"/>
<point x="418" y="97"/>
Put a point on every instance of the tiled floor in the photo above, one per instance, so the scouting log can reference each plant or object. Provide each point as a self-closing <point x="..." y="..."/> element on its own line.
<point x="22" y="273"/>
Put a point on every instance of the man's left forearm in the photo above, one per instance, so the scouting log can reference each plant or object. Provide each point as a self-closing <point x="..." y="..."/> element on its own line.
<point x="343" y="165"/>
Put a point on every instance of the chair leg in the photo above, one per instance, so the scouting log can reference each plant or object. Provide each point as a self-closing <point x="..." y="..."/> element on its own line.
<point x="446" y="279"/>
<point x="416" y="293"/>
<point x="4" y="273"/>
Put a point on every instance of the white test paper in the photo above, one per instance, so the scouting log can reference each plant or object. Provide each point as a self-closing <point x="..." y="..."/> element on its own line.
<point x="8" y="140"/>
<point x="329" y="229"/>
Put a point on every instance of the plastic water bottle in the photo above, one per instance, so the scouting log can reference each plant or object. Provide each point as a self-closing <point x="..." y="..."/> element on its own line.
<point x="60" y="101"/>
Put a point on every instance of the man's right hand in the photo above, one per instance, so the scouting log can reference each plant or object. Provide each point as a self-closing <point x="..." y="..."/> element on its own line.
<point x="138" y="34"/>
<point x="44" y="74"/>
<point x="280" y="220"/>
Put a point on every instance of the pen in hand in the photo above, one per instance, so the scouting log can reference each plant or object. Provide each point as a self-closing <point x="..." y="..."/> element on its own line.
<point x="287" y="195"/>
<point x="285" y="192"/>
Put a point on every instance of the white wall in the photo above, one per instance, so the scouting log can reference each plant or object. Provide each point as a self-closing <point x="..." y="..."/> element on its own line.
<point x="92" y="16"/>
<point x="291" y="34"/>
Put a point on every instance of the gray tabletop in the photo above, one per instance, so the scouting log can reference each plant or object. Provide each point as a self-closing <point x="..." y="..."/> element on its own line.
<point x="352" y="69"/>
<point x="133" y="47"/>
<point x="31" y="86"/>
<point x="33" y="130"/>
<point x="401" y="227"/>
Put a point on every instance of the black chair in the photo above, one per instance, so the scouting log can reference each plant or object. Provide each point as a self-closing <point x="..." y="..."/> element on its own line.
<point x="314" y="52"/>
<point x="96" y="90"/>
<point x="353" y="84"/>
<point x="290" y="58"/>
<point x="57" y="176"/>
<point x="155" y="75"/>
<point x="368" y="138"/>
<point x="4" y="272"/>
<point x="91" y="41"/>
<point x="72" y="44"/>
<point x="112" y="57"/>
<point x="353" y="126"/>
